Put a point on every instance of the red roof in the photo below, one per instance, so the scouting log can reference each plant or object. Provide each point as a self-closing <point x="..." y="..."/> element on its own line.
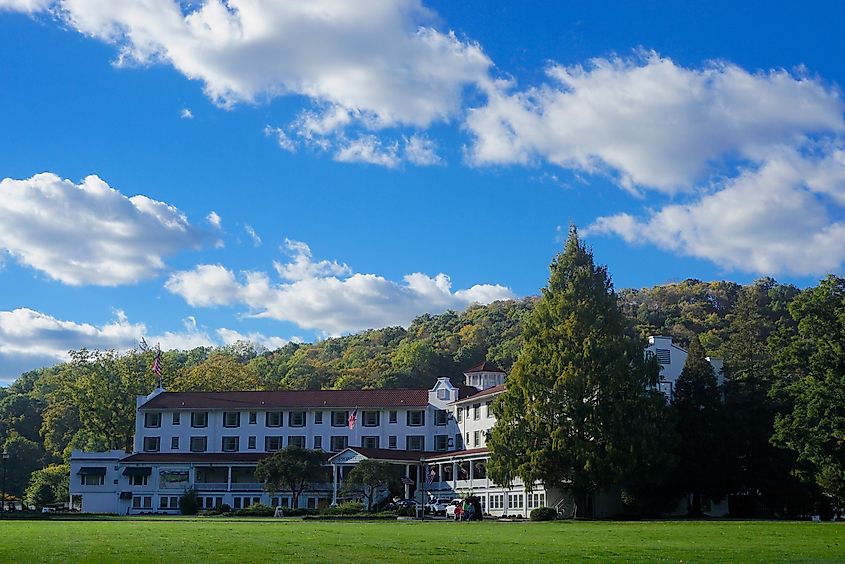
<point x="389" y="454"/>
<point x="456" y="454"/>
<point x="282" y="399"/>
<point x="484" y="393"/>
<point x="484" y="367"/>
<point x="179" y="457"/>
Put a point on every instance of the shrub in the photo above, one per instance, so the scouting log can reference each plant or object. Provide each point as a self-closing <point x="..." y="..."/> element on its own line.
<point x="345" y="508"/>
<point x="543" y="514"/>
<point x="256" y="510"/>
<point x="188" y="503"/>
<point x="406" y="512"/>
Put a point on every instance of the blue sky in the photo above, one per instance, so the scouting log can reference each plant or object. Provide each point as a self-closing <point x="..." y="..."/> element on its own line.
<point x="202" y="172"/>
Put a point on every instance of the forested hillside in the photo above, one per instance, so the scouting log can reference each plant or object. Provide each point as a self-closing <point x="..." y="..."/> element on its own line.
<point x="88" y="402"/>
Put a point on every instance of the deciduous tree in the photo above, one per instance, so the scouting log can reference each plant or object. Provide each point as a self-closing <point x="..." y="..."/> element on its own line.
<point x="292" y="469"/>
<point x="368" y="478"/>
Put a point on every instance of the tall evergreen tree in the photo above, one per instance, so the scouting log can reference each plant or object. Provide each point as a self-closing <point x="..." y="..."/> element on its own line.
<point x="699" y="415"/>
<point x="810" y="379"/>
<point x="572" y="414"/>
<point x="762" y="471"/>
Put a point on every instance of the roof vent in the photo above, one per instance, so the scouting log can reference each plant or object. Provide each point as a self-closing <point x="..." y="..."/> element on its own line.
<point x="664" y="356"/>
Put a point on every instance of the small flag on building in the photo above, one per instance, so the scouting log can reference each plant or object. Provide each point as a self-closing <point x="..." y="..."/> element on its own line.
<point x="430" y="477"/>
<point x="353" y="418"/>
<point x="157" y="365"/>
<point x="407" y="481"/>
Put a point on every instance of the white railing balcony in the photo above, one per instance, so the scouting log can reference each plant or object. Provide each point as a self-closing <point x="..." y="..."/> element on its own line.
<point x="211" y="486"/>
<point x="246" y="486"/>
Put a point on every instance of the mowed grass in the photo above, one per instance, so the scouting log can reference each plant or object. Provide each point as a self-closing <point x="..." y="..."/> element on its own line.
<point x="213" y="540"/>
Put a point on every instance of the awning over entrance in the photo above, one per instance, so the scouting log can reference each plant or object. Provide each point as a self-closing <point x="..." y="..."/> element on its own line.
<point x="137" y="471"/>
<point x="92" y="471"/>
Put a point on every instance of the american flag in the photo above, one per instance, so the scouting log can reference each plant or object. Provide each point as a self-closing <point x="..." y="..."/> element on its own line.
<point x="157" y="365"/>
<point x="353" y="418"/>
<point x="430" y="477"/>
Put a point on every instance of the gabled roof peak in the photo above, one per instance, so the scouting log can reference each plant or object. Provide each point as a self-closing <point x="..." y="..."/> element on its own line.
<point x="484" y="367"/>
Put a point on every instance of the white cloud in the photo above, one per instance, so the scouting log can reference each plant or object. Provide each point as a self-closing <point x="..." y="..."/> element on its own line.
<point x="651" y="122"/>
<point x="214" y="219"/>
<point x="230" y="336"/>
<point x="421" y="151"/>
<point x="25" y="6"/>
<point x="331" y="51"/>
<point x="186" y="113"/>
<point x="303" y="268"/>
<point x="326" y="295"/>
<point x="782" y="217"/>
<point x="89" y="233"/>
<point x="256" y="240"/>
<point x="282" y="138"/>
<point x="30" y="339"/>
<point x="369" y="149"/>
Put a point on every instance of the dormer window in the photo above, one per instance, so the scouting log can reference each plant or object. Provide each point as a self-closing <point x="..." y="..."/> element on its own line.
<point x="444" y="394"/>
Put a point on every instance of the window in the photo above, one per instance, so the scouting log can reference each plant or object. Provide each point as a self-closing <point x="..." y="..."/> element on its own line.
<point x="479" y="470"/>
<point x="250" y="443"/>
<point x="176" y="417"/>
<point x="370" y="419"/>
<point x="142" y="502"/>
<point x="415" y="442"/>
<point x="515" y="501"/>
<point x="416" y="418"/>
<point x="318" y="442"/>
<point x="392" y="417"/>
<point x="93" y="479"/>
<point x="497" y="501"/>
<point x="297" y="440"/>
<point x="460" y="414"/>
<point x="369" y="442"/>
<point x="339" y="443"/>
<point x="230" y="444"/>
<point x="444" y="394"/>
<point x="199" y="444"/>
<point x="340" y="418"/>
<point x="476" y="438"/>
<point x="151" y="444"/>
<point x="318" y="417"/>
<point x="138" y="480"/>
<point x="168" y="502"/>
<point x="440" y="417"/>
<point x="664" y="356"/>
<point x="476" y="412"/>
<point x="274" y="419"/>
<point x="231" y="419"/>
<point x="467" y="443"/>
<point x="391" y="441"/>
<point x="199" y="419"/>
<point x="174" y="443"/>
<point x="152" y="420"/>
<point x="253" y="417"/>
<point x="296" y="419"/>
<point x="487" y="411"/>
<point x="441" y="442"/>
<point x="535" y="500"/>
<point x="459" y="443"/>
<point x="272" y="443"/>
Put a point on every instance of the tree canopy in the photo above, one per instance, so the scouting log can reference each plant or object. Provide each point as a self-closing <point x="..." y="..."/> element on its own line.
<point x="293" y="469"/>
<point x="579" y="382"/>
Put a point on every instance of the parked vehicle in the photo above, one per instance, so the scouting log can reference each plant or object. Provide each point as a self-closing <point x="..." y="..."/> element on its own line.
<point x="403" y="503"/>
<point x="450" y="509"/>
<point x="437" y="506"/>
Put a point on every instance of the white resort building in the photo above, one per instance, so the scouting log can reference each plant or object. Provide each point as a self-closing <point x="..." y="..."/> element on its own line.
<point x="212" y="442"/>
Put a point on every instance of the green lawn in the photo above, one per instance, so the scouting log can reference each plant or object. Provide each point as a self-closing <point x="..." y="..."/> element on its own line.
<point x="214" y="540"/>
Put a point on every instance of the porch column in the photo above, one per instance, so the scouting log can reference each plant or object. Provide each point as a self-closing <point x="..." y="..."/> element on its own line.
<point x="454" y="475"/>
<point x="407" y="486"/>
<point x="471" y="473"/>
<point x="334" y="485"/>
<point x="229" y="479"/>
